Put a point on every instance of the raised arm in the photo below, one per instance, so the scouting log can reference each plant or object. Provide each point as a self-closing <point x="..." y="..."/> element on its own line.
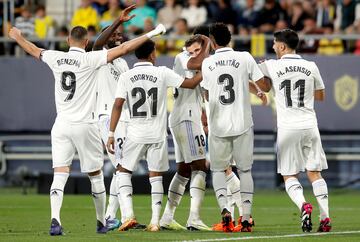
<point x="29" y="47"/>
<point x="194" y="63"/>
<point x="115" y="116"/>
<point x="105" y="35"/>
<point x="131" y="45"/>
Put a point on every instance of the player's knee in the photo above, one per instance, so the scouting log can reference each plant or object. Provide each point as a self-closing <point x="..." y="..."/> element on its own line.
<point x="184" y="169"/>
<point x="199" y="165"/>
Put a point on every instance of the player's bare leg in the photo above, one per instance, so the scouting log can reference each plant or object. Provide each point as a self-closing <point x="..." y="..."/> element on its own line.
<point x="157" y="193"/>
<point x="321" y="193"/>
<point x="99" y="196"/>
<point x="61" y="175"/>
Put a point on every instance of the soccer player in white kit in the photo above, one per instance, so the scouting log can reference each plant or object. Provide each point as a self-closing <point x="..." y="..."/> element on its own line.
<point x="189" y="141"/>
<point x="75" y="127"/>
<point x="144" y="88"/>
<point x="107" y="77"/>
<point x="226" y="76"/>
<point x="297" y="83"/>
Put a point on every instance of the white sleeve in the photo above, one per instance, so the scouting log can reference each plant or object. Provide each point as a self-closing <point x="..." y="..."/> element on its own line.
<point x="97" y="58"/>
<point x="178" y="67"/>
<point x="48" y="56"/>
<point x="205" y="72"/>
<point x="254" y="71"/>
<point x="264" y="69"/>
<point x="319" y="83"/>
<point x="171" y="78"/>
<point x="121" y="88"/>
<point x="121" y="65"/>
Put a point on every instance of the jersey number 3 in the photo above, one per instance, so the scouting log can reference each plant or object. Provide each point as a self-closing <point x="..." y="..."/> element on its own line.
<point x="152" y="93"/>
<point x="68" y="84"/>
<point x="227" y="81"/>
<point x="300" y="84"/>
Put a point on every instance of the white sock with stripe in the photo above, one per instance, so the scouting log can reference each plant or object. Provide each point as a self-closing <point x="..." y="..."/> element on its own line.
<point x="321" y="193"/>
<point x="157" y="192"/>
<point x="57" y="194"/>
<point x="197" y="192"/>
<point x="113" y="200"/>
<point x="219" y="184"/>
<point x="99" y="196"/>
<point x="125" y="191"/>
<point x="247" y="193"/>
<point x="295" y="191"/>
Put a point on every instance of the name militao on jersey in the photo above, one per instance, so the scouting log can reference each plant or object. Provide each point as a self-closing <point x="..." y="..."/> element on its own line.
<point x="145" y="90"/>
<point x="294" y="81"/>
<point x="75" y="82"/>
<point x="226" y="76"/>
<point x="187" y="105"/>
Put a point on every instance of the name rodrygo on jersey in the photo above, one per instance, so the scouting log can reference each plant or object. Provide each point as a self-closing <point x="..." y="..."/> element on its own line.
<point x="75" y="84"/>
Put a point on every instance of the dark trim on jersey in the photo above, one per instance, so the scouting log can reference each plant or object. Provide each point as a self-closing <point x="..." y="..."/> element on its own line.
<point x="292" y="58"/>
<point x="142" y="65"/>
<point x="77" y="51"/>
<point x="220" y="51"/>
<point x="41" y="55"/>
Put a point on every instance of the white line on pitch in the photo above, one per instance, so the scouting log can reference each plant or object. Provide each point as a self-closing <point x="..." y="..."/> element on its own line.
<point x="271" y="237"/>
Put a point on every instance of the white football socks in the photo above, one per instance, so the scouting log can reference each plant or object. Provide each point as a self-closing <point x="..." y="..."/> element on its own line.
<point x="197" y="192"/>
<point x="295" y="191"/>
<point x="219" y="184"/>
<point x="99" y="196"/>
<point x="321" y="193"/>
<point x="125" y="190"/>
<point x="113" y="200"/>
<point x="57" y="194"/>
<point x="157" y="192"/>
<point x="233" y="185"/>
<point x="247" y="193"/>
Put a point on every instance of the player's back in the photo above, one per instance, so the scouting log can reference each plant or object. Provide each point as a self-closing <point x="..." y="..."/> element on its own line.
<point x="294" y="82"/>
<point x="107" y="77"/>
<point x="226" y="76"/>
<point x="187" y="104"/>
<point x="75" y="85"/>
<point x="145" y="89"/>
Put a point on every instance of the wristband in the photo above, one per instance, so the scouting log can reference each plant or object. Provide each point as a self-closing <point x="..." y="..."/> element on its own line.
<point x="111" y="134"/>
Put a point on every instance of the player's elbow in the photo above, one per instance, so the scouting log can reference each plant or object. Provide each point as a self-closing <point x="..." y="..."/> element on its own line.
<point x="319" y="95"/>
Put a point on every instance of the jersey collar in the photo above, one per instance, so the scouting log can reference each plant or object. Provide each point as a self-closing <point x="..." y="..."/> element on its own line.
<point x="225" y="49"/>
<point x="291" y="56"/>
<point x="77" y="49"/>
<point x="143" y="64"/>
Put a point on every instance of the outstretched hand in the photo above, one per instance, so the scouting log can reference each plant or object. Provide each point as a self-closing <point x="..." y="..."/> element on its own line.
<point x="14" y="33"/>
<point x="124" y="17"/>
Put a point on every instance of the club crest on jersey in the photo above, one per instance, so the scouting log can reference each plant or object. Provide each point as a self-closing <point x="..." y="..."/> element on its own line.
<point x="346" y="92"/>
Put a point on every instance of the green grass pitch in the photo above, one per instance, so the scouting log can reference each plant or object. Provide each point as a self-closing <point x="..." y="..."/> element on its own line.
<point x="27" y="218"/>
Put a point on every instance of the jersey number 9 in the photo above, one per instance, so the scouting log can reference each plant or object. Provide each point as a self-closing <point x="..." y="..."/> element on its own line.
<point x="68" y="84"/>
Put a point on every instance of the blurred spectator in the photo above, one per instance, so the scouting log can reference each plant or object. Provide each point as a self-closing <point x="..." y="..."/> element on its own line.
<point x="297" y="16"/>
<point x="326" y="13"/>
<point x="243" y="45"/>
<point x="309" y="7"/>
<point x="332" y="46"/>
<point x="85" y="15"/>
<point x="44" y="24"/>
<point x="92" y="36"/>
<point x="101" y="6"/>
<point x="269" y="15"/>
<point x="225" y="13"/>
<point x="62" y="45"/>
<point x="280" y="25"/>
<point x="142" y="12"/>
<point x="168" y="14"/>
<point x="357" y="42"/>
<point x="175" y="45"/>
<point x="25" y="22"/>
<point x="110" y="15"/>
<point x="345" y="14"/>
<point x="248" y="16"/>
<point x="309" y="45"/>
<point x="148" y="25"/>
<point x="194" y="14"/>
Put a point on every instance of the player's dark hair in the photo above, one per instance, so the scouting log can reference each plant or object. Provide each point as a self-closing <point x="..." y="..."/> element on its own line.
<point x="202" y="29"/>
<point x="221" y="34"/>
<point x="288" y="37"/>
<point x="144" y="50"/>
<point x="193" y="39"/>
<point x="78" y="33"/>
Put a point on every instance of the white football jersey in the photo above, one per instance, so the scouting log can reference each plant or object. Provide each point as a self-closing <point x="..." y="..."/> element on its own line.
<point x="75" y="82"/>
<point x="145" y="90"/>
<point x="107" y="78"/>
<point x="226" y="76"/>
<point x="294" y="81"/>
<point x="187" y="105"/>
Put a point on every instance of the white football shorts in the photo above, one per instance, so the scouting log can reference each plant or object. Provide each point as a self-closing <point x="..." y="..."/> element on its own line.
<point x="67" y="138"/>
<point x="120" y="135"/>
<point x="299" y="150"/>
<point x="155" y="154"/>
<point x="224" y="150"/>
<point x="189" y="142"/>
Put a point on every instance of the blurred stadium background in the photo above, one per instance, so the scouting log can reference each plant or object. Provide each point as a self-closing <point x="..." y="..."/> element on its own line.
<point x="330" y="33"/>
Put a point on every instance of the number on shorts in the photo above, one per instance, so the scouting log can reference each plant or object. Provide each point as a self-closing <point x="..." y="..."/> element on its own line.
<point x="68" y="84"/>
<point x="121" y="142"/>
<point x="200" y="140"/>
<point x="152" y="93"/>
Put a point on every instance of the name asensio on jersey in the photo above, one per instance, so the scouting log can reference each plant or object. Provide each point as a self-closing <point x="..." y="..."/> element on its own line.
<point x="231" y="62"/>
<point x="294" y="69"/>
<point x="66" y="61"/>
<point x="144" y="77"/>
